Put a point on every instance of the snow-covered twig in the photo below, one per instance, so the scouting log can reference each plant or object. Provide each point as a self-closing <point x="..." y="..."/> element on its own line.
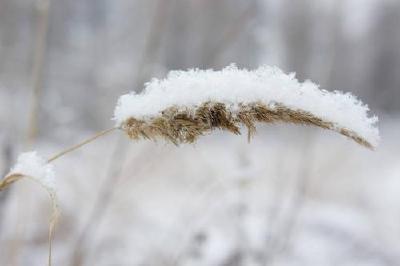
<point x="36" y="168"/>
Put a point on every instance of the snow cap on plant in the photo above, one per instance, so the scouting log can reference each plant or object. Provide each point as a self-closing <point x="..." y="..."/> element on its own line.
<point x="31" y="165"/>
<point x="189" y="104"/>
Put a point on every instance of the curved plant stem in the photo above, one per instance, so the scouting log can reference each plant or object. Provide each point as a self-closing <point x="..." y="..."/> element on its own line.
<point x="12" y="178"/>
<point x="83" y="143"/>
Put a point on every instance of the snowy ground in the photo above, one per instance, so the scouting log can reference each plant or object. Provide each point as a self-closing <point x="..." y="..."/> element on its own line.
<point x="293" y="196"/>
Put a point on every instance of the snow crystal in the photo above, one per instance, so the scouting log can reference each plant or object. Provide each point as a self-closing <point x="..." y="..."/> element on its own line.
<point x="232" y="86"/>
<point x="30" y="164"/>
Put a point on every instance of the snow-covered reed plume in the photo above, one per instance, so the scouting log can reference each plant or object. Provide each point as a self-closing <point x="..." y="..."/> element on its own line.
<point x="188" y="104"/>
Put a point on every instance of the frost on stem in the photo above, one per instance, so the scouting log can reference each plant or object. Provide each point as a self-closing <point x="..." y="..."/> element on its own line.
<point x="188" y="104"/>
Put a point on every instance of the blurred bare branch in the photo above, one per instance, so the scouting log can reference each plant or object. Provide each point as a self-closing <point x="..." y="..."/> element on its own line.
<point x="110" y="183"/>
<point x="232" y="32"/>
<point x="101" y="203"/>
<point x="153" y="42"/>
<point x="43" y="7"/>
<point x="7" y="154"/>
<point x="280" y="240"/>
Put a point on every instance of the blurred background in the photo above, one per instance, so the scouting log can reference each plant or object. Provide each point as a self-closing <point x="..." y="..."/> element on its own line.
<point x="293" y="196"/>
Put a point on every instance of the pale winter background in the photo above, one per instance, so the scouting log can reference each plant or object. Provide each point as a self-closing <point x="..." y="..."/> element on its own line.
<point x="293" y="196"/>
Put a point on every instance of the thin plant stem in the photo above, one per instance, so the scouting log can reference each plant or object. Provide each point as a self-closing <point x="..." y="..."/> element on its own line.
<point x="43" y="7"/>
<point x="102" y="202"/>
<point x="83" y="143"/>
<point x="8" y="157"/>
<point x="42" y="10"/>
<point x="50" y="239"/>
<point x="8" y="154"/>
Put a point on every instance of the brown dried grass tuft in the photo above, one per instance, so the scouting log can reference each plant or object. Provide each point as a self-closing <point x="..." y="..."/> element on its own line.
<point x="186" y="125"/>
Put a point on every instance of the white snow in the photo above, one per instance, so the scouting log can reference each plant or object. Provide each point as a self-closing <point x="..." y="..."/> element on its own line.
<point x="32" y="165"/>
<point x="232" y="86"/>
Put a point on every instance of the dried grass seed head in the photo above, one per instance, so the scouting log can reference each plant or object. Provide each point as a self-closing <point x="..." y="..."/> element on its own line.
<point x="189" y="104"/>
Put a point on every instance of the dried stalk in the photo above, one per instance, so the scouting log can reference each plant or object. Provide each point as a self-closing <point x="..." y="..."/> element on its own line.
<point x="77" y="146"/>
